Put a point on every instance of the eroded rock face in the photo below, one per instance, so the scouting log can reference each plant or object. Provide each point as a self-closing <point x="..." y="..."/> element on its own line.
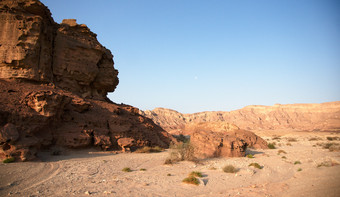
<point x="54" y="79"/>
<point x="34" y="47"/>
<point x="37" y="116"/>
<point x="220" y="139"/>
<point x="303" y="117"/>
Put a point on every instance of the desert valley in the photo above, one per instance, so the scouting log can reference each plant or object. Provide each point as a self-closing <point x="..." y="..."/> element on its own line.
<point x="60" y="135"/>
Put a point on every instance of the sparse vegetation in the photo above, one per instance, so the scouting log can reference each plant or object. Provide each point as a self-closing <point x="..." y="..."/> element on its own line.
<point x="327" y="164"/>
<point x="196" y="174"/>
<point x="191" y="180"/>
<point x="331" y="146"/>
<point x="212" y="168"/>
<point x="291" y="139"/>
<point x="181" y="152"/>
<point x="284" y="157"/>
<point x="281" y="151"/>
<point x="250" y="156"/>
<point x="333" y="138"/>
<point x="126" y="170"/>
<point x="276" y="138"/>
<point x="142" y="169"/>
<point x="314" y="139"/>
<point x="271" y="146"/>
<point x="229" y="169"/>
<point x="182" y="138"/>
<point x="297" y="162"/>
<point x="289" y="144"/>
<point x="300" y="169"/>
<point x="168" y="174"/>
<point x="9" y="160"/>
<point x="147" y="149"/>
<point x="256" y="165"/>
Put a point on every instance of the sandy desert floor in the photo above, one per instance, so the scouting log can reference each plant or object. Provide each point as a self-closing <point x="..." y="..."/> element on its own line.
<point x="87" y="172"/>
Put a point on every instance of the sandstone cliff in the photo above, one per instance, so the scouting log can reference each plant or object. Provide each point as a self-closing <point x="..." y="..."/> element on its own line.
<point x="308" y="117"/>
<point x="54" y="79"/>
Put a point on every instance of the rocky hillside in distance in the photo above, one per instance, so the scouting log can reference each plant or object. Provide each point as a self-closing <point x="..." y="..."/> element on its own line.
<point x="304" y="117"/>
<point x="54" y="79"/>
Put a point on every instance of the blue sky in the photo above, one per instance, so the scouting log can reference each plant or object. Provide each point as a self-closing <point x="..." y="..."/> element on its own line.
<point x="193" y="55"/>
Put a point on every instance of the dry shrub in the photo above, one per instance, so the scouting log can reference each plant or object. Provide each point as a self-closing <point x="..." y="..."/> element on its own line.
<point x="229" y="169"/>
<point x="297" y="162"/>
<point x="330" y="146"/>
<point x="328" y="164"/>
<point x="126" y="170"/>
<point x="289" y="144"/>
<point x="181" y="152"/>
<point x="147" y="149"/>
<point x="333" y="138"/>
<point x="281" y="151"/>
<point x="256" y="165"/>
<point x="314" y="139"/>
<point x="291" y="139"/>
<point x="191" y="180"/>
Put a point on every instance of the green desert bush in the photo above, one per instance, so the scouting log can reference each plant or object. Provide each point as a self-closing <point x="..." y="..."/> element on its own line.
<point x="147" y="149"/>
<point x="256" y="165"/>
<point x="271" y="146"/>
<point x="9" y="160"/>
<point x="126" y="169"/>
<point x="142" y="169"/>
<point x="284" y="157"/>
<point x="297" y="162"/>
<point x="191" y="180"/>
<point x="196" y="174"/>
<point x="229" y="169"/>
<point x="250" y="156"/>
<point x="300" y="169"/>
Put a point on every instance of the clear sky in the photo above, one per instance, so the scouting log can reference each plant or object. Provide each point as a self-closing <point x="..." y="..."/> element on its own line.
<point x="195" y="55"/>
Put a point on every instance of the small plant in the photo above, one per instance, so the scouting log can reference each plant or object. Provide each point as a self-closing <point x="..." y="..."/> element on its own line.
<point x="300" y="169"/>
<point x="289" y="144"/>
<point x="191" y="180"/>
<point x="126" y="170"/>
<point x="297" y="162"/>
<point x="276" y="138"/>
<point x="229" y="169"/>
<point x="9" y="160"/>
<point x="169" y="174"/>
<point x="196" y="174"/>
<point x="147" y="149"/>
<point x="250" y="156"/>
<point x="281" y="151"/>
<point x="284" y="157"/>
<point x="212" y="168"/>
<point x="256" y="165"/>
<point x="331" y="146"/>
<point x="142" y="169"/>
<point x="271" y="145"/>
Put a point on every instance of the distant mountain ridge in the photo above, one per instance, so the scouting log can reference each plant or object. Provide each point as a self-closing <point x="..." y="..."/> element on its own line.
<point x="305" y="117"/>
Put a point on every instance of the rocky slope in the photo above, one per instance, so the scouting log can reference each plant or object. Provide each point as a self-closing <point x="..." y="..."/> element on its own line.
<point x="308" y="117"/>
<point x="54" y="79"/>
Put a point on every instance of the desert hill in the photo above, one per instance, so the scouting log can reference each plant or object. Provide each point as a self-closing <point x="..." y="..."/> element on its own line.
<point x="304" y="117"/>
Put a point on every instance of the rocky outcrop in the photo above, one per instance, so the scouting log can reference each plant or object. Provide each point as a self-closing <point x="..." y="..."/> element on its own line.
<point x="303" y="117"/>
<point x="220" y="139"/>
<point x="34" y="47"/>
<point x="54" y="79"/>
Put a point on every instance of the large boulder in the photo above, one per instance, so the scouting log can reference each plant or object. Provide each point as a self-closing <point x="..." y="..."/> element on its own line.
<point x="220" y="139"/>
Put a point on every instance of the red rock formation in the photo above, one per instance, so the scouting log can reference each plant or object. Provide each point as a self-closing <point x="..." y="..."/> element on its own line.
<point x="303" y="117"/>
<point x="53" y="84"/>
<point x="220" y="139"/>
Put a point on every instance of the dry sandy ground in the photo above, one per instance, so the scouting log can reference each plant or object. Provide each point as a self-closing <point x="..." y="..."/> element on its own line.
<point x="84" y="173"/>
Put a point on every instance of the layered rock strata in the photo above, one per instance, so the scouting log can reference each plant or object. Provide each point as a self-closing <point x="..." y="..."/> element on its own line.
<point x="302" y="117"/>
